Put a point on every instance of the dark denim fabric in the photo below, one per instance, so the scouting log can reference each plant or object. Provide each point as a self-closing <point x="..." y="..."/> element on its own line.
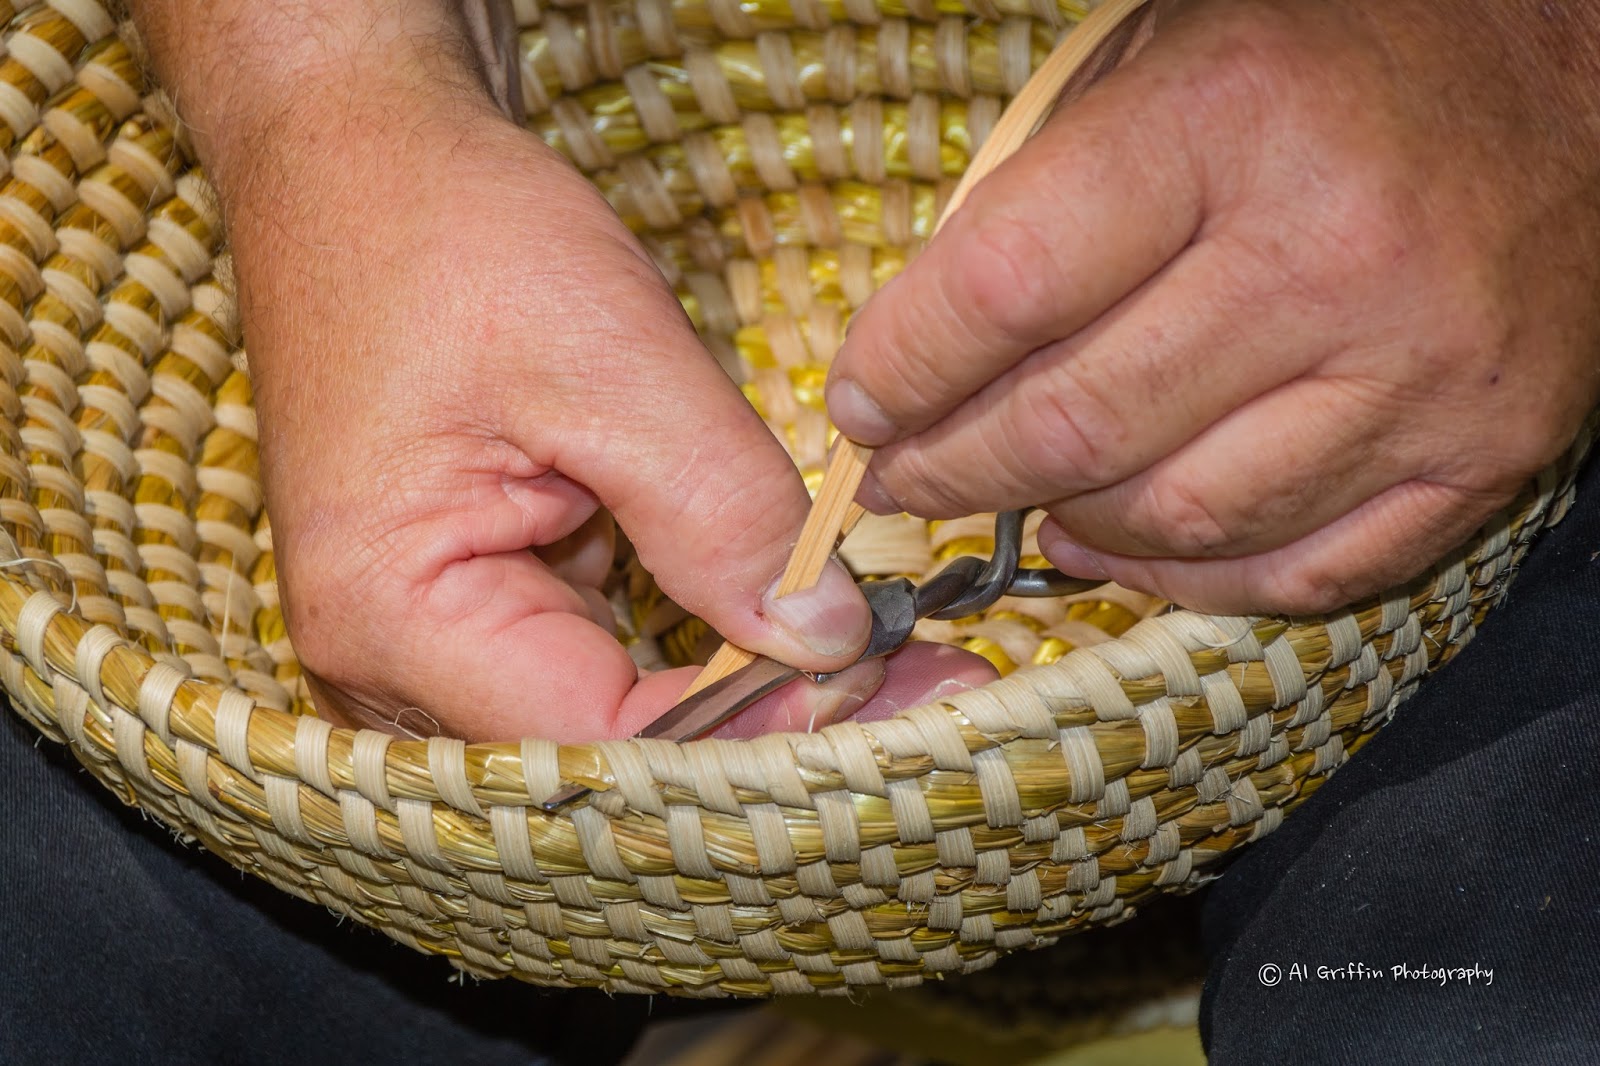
<point x="1467" y="832"/>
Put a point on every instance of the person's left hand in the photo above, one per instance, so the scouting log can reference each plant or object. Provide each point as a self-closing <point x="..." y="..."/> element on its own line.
<point x="1272" y="317"/>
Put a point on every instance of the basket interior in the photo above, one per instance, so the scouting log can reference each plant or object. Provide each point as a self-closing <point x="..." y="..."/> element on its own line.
<point x="779" y="163"/>
<point x="779" y="174"/>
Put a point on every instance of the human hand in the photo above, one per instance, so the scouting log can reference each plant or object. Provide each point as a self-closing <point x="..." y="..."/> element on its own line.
<point x="1271" y="318"/>
<point x="459" y="355"/>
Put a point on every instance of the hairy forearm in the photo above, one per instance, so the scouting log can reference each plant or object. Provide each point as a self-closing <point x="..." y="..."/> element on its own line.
<point x="255" y="78"/>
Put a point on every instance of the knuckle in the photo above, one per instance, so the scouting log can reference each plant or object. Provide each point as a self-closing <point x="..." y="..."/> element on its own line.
<point x="1308" y="587"/>
<point x="1356" y="204"/>
<point x="1180" y="519"/>
<point x="1011" y="277"/>
<point x="919" y="486"/>
<point x="1368" y="220"/>
<point x="328" y="606"/>
<point x="1372" y="229"/>
<point x="899" y="377"/>
<point x="1350" y="237"/>
<point x="746" y="522"/>
<point x="1069" y="430"/>
<point x="1248" y="60"/>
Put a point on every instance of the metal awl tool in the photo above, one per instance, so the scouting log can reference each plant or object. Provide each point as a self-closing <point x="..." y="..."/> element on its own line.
<point x="965" y="586"/>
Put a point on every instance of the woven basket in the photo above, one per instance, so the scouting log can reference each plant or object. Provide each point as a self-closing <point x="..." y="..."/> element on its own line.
<point x="780" y="161"/>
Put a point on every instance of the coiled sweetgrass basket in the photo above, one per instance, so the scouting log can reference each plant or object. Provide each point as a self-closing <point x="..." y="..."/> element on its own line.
<point x="781" y="159"/>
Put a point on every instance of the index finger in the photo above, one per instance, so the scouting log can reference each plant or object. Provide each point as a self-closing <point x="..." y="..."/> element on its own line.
<point x="1079" y="217"/>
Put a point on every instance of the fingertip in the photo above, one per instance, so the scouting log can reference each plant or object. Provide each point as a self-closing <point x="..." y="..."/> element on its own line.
<point x="821" y="628"/>
<point x="857" y="414"/>
<point x="874" y="497"/>
<point x="806" y="706"/>
<point x="553" y="675"/>
<point x="653" y="696"/>
<point x="1067" y="555"/>
<point x="922" y="672"/>
<point x="599" y="608"/>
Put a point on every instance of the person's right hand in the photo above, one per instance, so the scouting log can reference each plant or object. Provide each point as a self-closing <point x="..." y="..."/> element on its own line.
<point x="460" y="354"/>
<point x="1270" y="319"/>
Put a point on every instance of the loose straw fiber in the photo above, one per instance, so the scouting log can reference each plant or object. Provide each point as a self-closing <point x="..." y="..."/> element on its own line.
<point x="780" y="159"/>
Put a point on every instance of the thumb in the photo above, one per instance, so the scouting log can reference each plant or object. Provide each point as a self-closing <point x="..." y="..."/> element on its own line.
<point x="714" y="506"/>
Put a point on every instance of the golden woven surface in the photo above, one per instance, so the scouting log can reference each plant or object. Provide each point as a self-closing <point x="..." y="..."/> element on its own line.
<point x="781" y="159"/>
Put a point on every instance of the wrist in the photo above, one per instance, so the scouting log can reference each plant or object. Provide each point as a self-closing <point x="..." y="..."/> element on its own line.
<point x="270" y="90"/>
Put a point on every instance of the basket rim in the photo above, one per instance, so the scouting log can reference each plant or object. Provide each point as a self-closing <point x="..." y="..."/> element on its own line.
<point x="235" y="726"/>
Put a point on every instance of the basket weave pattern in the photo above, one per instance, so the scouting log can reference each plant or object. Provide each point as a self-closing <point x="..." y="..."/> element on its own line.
<point x="780" y="160"/>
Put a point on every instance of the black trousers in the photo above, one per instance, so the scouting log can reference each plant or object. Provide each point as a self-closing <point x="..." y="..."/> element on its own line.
<point x="1466" y="834"/>
<point x="1465" y="838"/>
